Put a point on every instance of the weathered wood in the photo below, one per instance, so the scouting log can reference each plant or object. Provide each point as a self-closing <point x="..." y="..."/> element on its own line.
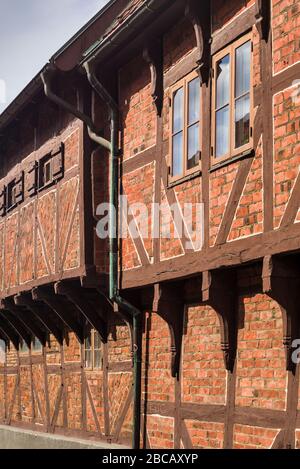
<point x="292" y="205"/>
<point x="61" y="307"/>
<point x="153" y="55"/>
<point x="233" y="30"/>
<point x="227" y="255"/>
<point x="267" y="121"/>
<point x="9" y="332"/>
<point x="262" y="16"/>
<point x="234" y="199"/>
<point x="219" y="291"/>
<point x="79" y="300"/>
<point x="27" y="319"/>
<point x="199" y="15"/>
<point x="18" y="326"/>
<point x="281" y="281"/>
<point x="121" y="419"/>
<point x="42" y="313"/>
<point x="169" y="304"/>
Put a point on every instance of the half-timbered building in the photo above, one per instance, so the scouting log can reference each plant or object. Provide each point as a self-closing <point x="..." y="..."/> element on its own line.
<point x="175" y="338"/>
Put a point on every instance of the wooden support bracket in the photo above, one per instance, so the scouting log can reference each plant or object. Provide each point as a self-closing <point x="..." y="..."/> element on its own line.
<point x="16" y="324"/>
<point x="42" y="313"/>
<point x="199" y="14"/>
<point x="263" y="18"/>
<point x="168" y="302"/>
<point x="62" y="308"/>
<point x="219" y="292"/>
<point x="86" y="308"/>
<point x="153" y="55"/>
<point x="27" y="319"/>
<point x="281" y="282"/>
<point x="8" y="331"/>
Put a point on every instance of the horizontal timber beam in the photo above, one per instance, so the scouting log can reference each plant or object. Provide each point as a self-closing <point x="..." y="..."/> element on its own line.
<point x="286" y="240"/>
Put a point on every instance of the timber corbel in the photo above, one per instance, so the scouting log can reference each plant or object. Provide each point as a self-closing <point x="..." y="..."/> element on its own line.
<point x="86" y="308"/>
<point x="219" y="292"/>
<point x="15" y="324"/>
<point x="153" y="55"/>
<point x="262" y="15"/>
<point x="168" y="303"/>
<point x="43" y="314"/>
<point x="8" y="331"/>
<point x="26" y="318"/>
<point x="199" y="14"/>
<point x="62" y="308"/>
<point x="281" y="282"/>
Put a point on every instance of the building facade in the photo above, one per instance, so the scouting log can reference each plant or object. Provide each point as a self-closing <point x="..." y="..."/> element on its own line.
<point x="208" y="130"/>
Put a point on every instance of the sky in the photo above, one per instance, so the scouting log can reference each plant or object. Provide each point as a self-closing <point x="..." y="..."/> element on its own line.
<point x="31" y="31"/>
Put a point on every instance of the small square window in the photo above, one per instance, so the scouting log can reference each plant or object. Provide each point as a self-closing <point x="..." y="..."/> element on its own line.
<point x="11" y="194"/>
<point x="45" y="172"/>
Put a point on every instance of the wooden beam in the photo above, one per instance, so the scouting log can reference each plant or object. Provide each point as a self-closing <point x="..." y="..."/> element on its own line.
<point x="234" y="199"/>
<point x="78" y="299"/>
<point x="43" y="314"/>
<point x="199" y="14"/>
<point x="281" y="281"/>
<point x="168" y="302"/>
<point x="153" y="55"/>
<point x="62" y="308"/>
<point x="27" y="319"/>
<point x="263" y="17"/>
<point x="219" y="292"/>
<point x="232" y="254"/>
<point x="17" y="326"/>
<point x="9" y="332"/>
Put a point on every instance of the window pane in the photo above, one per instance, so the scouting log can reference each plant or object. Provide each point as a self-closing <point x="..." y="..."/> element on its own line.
<point x="97" y="359"/>
<point x="88" y="341"/>
<point x="23" y="347"/>
<point x="178" y="113"/>
<point x="222" y="132"/>
<point x="177" y="154"/>
<point x="2" y="351"/>
<point x="242" y="121"/>
<point x="223" y="81"/>
<point x="242" y="69"/>
<point x="194" y="100"/>
<point x="193" y="146"/>
<point x="36" y="345"/>
<point x="88" y="359"/>
<point x="97" y="340"/>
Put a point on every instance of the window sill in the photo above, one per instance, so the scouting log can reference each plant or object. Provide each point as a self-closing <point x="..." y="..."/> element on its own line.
<point x="239" y="157"/>
<point x="183" y="179"/>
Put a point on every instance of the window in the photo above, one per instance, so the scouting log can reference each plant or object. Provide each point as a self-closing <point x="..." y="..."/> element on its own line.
<point x="50" y="169"/>
<point x="232" y="100"/>
<point x="23" y="347"/>
<point x="15" y="192"/>
<point x="92" y="350"/>
<point x="185" y="142"/>
<point x="36" y="345"/>
<point x="45" y="171"/>
<point x="2" y="351"/>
